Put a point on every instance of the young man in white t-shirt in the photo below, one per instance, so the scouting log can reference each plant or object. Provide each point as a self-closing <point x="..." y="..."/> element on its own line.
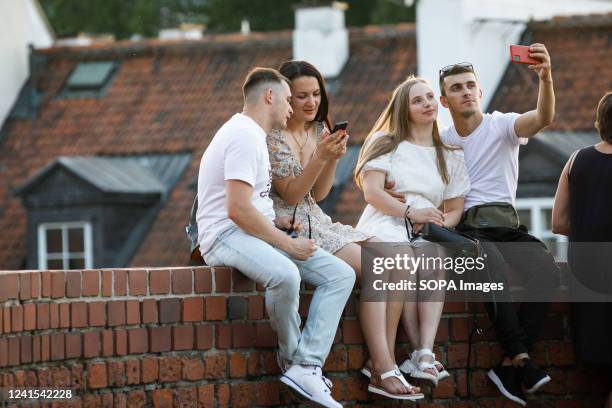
<point x="236" y="225"/>
<point x="491" y="144"/>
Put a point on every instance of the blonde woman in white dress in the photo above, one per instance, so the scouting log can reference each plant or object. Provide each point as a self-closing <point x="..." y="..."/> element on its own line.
<point x="404" y="147"/>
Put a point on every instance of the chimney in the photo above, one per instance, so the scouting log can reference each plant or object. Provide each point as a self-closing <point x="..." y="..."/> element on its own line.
<point x="186" y="31"/>
<point x="321" y="38"/>
<point x="479" y="31"/>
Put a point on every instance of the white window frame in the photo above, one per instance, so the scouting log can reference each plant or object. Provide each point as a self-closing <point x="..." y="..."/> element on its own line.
<point x="535" y="206"/>
<point x="43" y="257"/>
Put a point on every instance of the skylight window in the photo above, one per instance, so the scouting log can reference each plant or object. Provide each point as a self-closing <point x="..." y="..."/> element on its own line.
<point x="89" y="79"/>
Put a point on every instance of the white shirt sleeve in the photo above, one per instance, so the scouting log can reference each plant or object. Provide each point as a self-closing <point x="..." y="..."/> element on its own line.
<point x="506" y="122"/>
<point x="459" y="182"/>
<point x="240" y="159"/>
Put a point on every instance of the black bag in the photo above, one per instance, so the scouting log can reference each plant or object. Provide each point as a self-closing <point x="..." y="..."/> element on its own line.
<point x="192" y="233"/>
<point x="460" y="244"/>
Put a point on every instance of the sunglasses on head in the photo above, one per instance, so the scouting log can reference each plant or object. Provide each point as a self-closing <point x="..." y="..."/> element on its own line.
<point x="445" y="70"/>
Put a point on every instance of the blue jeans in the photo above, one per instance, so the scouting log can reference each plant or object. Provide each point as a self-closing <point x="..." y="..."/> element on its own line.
<point x="281" y="275"/>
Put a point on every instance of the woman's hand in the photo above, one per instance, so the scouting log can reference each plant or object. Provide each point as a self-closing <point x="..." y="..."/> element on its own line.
<point x="389" y="185"/>
<point x="331" y="146"/>
<point x="424" y="215"/>
<point x="284" y="223"/>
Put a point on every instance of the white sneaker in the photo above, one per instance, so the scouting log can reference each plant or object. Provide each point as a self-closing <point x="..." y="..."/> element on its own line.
<point x="309" y="382"/>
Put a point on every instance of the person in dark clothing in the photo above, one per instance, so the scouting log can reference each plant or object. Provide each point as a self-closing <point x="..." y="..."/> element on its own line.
<point x="582" y="212"/>
<point x="491" y="143"/>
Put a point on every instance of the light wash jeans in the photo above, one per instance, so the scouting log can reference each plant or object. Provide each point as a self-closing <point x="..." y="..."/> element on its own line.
<point x="281" y="276"/>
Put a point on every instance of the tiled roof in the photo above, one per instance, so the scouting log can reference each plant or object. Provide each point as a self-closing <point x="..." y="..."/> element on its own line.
<point x="168" y="98"/>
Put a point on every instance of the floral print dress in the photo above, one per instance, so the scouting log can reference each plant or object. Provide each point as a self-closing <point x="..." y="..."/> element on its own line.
<point x="328" y="235"/>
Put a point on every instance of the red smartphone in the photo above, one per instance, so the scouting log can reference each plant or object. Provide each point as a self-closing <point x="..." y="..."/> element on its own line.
<point x="340" y="126"/>
<point x="519" y="54"/>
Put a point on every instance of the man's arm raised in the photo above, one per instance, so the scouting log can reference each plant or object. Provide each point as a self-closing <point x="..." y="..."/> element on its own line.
<point x="530" y="123"/>
<point x="245" y="215"/>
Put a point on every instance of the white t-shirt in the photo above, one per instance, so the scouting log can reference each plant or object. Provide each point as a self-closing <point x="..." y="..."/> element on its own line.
<point x="237" y="152"/>
<point x="414" y="169"/>
<point x="491" y="157"/>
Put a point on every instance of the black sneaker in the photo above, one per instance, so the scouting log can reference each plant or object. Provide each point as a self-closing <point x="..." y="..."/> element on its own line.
<point x="507" y="381"/>
<point x="531" y="376"/>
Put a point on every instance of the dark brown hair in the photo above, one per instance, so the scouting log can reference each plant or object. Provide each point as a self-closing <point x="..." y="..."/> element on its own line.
<point x="454" y="70"/>
<point x="295" y="69"/>
<point x="603" y="120"/>
<point x="258" y="76"/>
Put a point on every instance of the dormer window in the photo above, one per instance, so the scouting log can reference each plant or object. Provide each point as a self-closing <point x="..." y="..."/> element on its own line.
<point x="89" y="79"/>
<point x="65" y="246"/>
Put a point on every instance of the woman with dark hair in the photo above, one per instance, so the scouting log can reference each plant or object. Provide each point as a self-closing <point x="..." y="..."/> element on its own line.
<point x="303" y="158"/>
<point x="582" y="212"/>
<point x="405" y="146"/>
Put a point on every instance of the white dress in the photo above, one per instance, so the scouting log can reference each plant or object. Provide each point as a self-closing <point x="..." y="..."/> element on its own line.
<point x="414" y="170"/>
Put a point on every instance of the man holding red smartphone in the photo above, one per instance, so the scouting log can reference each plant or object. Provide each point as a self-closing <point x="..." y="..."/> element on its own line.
<point x="491" y="145"/>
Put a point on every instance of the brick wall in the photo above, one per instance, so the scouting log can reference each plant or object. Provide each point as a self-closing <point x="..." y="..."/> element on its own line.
<point x="200" y="337"/>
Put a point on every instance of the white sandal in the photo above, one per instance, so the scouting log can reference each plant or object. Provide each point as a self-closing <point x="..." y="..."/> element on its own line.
<point x="419" y="366"/>
<point x="441" y="374"/>
<point x="376" y="380"/>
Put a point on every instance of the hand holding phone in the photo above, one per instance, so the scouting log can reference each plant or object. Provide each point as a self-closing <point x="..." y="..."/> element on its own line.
<point x="340" y="126"/>
<point x="519" y="54"/>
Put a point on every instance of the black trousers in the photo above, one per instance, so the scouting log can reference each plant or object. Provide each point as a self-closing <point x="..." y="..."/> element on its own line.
<point x="517" y="328"/>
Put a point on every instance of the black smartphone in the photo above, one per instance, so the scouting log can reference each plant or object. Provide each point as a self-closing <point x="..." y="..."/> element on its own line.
<point x="340" y="126"/>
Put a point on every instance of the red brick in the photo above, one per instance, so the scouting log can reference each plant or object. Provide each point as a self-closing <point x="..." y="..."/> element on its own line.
<point x="193" y="309"/>
<point x="223" y="336"/>
<point x="91" y="283"/>
<point x="35" y="284"/>
<point x="204" y="336"/>
<point x="73" y="345"/>
<point x="57" y="346"/>
<point x="351" y="332"/>
<point x="561" y="353"/>
<point x="159" y="282"/>
<point x="256" y="307"/>
<point x="459" y="328"/>
<point x="107" y="283"/>
<point x="116" y="312"/>
<point x="160" y="339"/>
<point x="9" y="286"/>
<point x="241" y="282"/>
<point x="356" y="358"/>
<point x="58" y="284"/>
<point x="136" y="399"/>
<point x="120" y="282"/>
<point x="42" y="311"/>
<point x="202" y="279"/>
<point x="45" y="279"/>
<point x="73" y="284"/>
<point x="169" y="310"/>
<point x="138" y="282"/>
<point x="149" y="369"/>
<point x="132" y="312"/>
<point x="216" y="308"/>
<point x="206" y="395"/>
<point x="223" y="279"/>
<point x="60" y="377"/>
<point x="64" y="314"/>
<point x="92" y="401"/>
<point x="91" y="344"/>
<point x="266" y="337"/>
<point x="457" y="356"/>
<point x="181" y="281"/>
<point x="116" y="373"/>
<point x="215" y="366"/>
<point x="25" y="291"/>
<point x="78" y="314"/>
<point x="223" y="395"/>
<point x="97" y="313"/>
<point x="243" y="335"/>
<point x="336" y="360"/>
<point x="17" y="318"/>
<point x="96" y="375"/>
<point x="132" y="371"/>
<point x="237" y="365"/>
<point x="442" y="333"/>
<point x="149" y="311"/>
<point x="107" y="343"/>
<point x="54" y="318"/>
<point x="182" y="337"/>
<point x="268" y="394"/>
<point x="185" y="396"/>
<point x="138" y="340"/>
<point x="44" y="377"/>
<point x="169" y="369"/>
<point x="162" y="398"/>
<point x="120" y="342"/>
<point x="243" y="395"/>
<point x="193" y="368"/>
<point x="6" y="319"/>
<point x="26" y="349"/>
<point x="45" y="347"/>
<point x="77" y="377"/>
<point x="109" y="401"/>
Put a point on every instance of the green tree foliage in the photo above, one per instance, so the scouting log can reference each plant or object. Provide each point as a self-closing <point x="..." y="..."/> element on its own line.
<point x="123" y="18"/>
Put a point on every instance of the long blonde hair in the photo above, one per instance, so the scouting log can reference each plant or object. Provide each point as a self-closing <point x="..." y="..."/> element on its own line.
<point x="394" y="123"/>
